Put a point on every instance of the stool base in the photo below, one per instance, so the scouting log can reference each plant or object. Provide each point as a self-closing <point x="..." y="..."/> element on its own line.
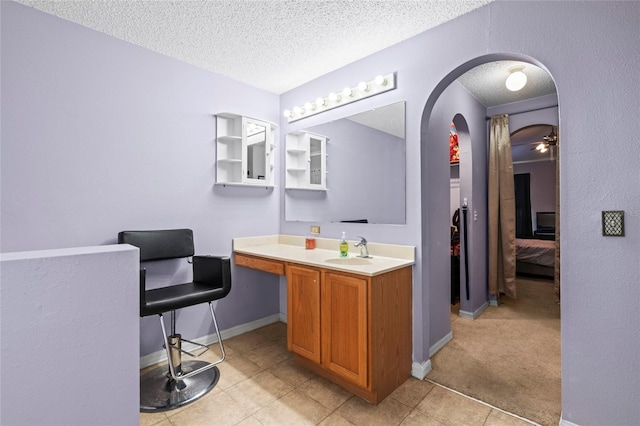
<point x="158" y="392"/>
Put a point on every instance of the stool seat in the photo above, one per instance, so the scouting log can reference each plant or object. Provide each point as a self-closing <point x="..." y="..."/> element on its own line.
<point x="179" y="296"/>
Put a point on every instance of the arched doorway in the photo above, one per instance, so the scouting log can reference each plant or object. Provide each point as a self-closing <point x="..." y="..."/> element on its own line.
<point x="443" y="104"/>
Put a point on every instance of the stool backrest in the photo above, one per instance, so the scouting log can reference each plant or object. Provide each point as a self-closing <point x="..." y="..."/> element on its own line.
<point x="160" y="244"/>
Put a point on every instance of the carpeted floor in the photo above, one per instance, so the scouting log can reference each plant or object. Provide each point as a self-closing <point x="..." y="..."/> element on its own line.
<point x="508" y="357"/>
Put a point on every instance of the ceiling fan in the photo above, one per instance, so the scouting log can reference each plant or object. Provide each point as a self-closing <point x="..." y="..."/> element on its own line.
<point x="550" y="140"/>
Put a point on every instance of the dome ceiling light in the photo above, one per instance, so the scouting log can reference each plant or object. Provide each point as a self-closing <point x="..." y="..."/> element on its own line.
<point x="516" y="79"/>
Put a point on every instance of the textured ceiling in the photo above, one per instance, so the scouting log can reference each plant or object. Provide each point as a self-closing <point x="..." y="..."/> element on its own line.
<point x="486" y="82"/>
<point x="275" y="45"/>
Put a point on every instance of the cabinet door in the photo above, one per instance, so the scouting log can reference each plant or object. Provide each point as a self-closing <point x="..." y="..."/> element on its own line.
<point x="344" y="327"/>
<point x="303" y="312"/>
<point x="316" y="177"/>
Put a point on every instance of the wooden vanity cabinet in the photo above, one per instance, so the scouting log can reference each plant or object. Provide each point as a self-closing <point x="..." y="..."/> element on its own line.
<point x="353" y="330"/>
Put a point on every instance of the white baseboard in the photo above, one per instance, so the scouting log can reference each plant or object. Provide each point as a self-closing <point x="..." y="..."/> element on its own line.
<point x="440" y="343"/>
<point x="161" y="355"/>
<point x="420" y="370"/>
<point x="565" y="422"/>
<point x="283" y="317"/>
<point x="476" y="313"/>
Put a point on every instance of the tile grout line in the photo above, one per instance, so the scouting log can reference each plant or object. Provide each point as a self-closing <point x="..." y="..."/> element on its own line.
<point x="482" y="402"/>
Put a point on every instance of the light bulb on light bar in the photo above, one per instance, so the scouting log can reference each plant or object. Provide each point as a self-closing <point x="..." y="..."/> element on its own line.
<point x="364" y="89"/>
<point x="380" y="80"/>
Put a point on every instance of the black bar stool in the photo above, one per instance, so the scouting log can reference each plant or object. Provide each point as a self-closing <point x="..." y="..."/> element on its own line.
<point x="183" y="382"/>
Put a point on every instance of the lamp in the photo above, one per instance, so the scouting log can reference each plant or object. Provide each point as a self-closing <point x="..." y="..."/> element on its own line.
<point x="516" y="79"/>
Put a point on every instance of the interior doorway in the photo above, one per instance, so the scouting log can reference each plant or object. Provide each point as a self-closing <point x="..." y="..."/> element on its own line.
<point x="473" y="353"/>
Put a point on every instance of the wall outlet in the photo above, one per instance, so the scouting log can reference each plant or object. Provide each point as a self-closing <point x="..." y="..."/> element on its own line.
<point x="315" y="229"/>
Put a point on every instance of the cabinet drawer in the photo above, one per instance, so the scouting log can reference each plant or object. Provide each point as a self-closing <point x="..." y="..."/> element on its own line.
<point x="259" y="263"/>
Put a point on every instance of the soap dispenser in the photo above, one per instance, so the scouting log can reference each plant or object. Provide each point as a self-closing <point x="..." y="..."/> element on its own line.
<point x="344" y="245"/>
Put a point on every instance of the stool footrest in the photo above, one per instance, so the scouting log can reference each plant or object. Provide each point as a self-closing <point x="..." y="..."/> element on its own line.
<point x="178" y="375"/>
<point x="200" y="348"/>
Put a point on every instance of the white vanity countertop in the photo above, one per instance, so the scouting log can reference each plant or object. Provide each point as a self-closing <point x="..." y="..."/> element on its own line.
<point x="291" y="248"/>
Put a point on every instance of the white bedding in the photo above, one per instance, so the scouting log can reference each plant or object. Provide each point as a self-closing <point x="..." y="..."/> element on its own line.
<point x="539" y="252"/>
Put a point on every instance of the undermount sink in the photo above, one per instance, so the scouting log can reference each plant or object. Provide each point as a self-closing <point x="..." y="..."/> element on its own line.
<point x="349" y="261"/>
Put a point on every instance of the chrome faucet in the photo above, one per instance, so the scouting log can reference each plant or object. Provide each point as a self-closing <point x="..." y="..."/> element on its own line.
<point x="364" y="252"/>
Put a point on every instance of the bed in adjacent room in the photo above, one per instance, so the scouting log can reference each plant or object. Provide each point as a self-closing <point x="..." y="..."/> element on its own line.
<point x="535" y="257"/>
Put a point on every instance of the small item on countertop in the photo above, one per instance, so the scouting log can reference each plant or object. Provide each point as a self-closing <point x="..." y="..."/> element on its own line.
<point x="344" y="245"/>
<point x="310" y="242"/>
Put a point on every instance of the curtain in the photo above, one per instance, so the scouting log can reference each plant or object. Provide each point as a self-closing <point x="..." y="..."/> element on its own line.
<point x="522" y="184"/>
<point x="502" y="245"/>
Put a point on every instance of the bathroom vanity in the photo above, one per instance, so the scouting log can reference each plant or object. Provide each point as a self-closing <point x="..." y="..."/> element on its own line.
<point x="348" y="319"/>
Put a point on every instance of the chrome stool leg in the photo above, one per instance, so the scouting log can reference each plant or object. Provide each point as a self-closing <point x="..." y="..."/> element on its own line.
<point x="185" y="382"/>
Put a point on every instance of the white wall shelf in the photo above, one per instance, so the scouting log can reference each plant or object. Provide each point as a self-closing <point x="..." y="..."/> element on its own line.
<point x="306" y="161"/>
<point x="244" y="151"/>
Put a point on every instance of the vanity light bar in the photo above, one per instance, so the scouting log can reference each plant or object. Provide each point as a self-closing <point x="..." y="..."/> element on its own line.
<point x="380" y="84"/>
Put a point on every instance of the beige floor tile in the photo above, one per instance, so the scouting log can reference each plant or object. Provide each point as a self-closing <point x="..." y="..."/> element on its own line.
<point x="268" y="355"/>
<point x="417" y="418"/>
<point x="326" y="393"/>
<point x="290" y="372"/>
<point x="249" y="421"/>
<point x="246" y="342"/>
<point x="236" y="370"/>
<point x="359" y="412"/>
<point x="274" y="331"/>
<point x="498" y="418"/>
<point x="259" y="391"/>
<point x="335" y="419"/>
<point x="148" y="419"/>
<point x="295" y="408"/>
<point x="218" y="409"/>
<point x="452" y="409"/>
<point x="214" y="353"/>
<point x="412" y="391"/>
<point x="165" y="422"/>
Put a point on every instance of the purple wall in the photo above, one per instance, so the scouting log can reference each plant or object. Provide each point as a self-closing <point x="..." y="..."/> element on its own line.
<point x="360" y="161"/>
<point x="99" y="136"/>
<point x="590" y="49"/>
<point x="55" y="369"/>
<point x="457" y="105"/>
<point x="96" y="133"/>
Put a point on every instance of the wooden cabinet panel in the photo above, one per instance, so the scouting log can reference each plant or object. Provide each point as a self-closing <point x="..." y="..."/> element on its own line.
<point x="351" y="329"/>
<point x="259" y="263"/>
<point x="344" y="327"/>
<point x="303" y="306"/>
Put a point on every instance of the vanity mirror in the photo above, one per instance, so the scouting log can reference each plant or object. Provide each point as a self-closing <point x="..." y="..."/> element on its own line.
<point x="365" y="171"/>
